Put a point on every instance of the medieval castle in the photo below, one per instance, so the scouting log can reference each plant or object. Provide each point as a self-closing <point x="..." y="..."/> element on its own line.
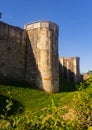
<point x="31" y="54"/>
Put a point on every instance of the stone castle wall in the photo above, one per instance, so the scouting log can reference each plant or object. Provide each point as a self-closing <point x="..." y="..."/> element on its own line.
<point x="12" y="52"/>
<point x="43" y="37"/>
<point x="30" y="54"/>
<point x="70" y="68"/>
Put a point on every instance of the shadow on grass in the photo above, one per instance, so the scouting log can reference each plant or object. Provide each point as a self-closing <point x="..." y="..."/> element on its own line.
<point x="67" y="86"/>
<point x="14" y="109"/>
<point x="21" y="84"/>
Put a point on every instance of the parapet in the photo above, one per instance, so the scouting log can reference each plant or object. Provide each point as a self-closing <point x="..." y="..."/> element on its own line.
<point x="69" y="58"/>
<point x="42" y="24"/>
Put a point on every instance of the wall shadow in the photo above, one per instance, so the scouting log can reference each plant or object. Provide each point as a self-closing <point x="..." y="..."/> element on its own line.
<point x="18" y="65"/>
<point x="67" y="86"/>
<point x="17" y="83"/>
<point x="66" y="79"/>
<point x="32" y="73"/>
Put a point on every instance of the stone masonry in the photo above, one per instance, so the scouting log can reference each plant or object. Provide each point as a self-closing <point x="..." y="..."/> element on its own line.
<point x="43" y="37"/>
<point x="12" y="52"/>
<point x="70" y="68"/>
<point x="30" y="54"/>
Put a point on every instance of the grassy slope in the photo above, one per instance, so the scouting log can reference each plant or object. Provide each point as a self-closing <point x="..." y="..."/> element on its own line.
<point x="29" y="98"/>
<point x="26" y="99"/>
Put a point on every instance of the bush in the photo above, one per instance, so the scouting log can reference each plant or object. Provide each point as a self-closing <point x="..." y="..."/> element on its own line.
<point x="76" y="115"/>
<point x="82" y="104"/>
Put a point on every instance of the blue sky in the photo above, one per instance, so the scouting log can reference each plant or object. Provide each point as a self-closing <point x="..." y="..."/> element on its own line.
<point x="74" y="18"/>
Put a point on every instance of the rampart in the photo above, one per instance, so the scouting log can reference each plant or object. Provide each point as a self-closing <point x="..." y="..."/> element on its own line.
<point x="43" y="37"/>
<point x="30" y="54"/>
<point x="70" y="68"/>
<point x="12" y="52"/>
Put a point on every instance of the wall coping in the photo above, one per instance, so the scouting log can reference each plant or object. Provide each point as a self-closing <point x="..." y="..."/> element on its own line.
<point x="73" y="57"/>
<point x="41" y="24"/>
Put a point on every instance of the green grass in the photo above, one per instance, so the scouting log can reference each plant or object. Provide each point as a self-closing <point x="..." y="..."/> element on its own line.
<point x="26" y="99"/>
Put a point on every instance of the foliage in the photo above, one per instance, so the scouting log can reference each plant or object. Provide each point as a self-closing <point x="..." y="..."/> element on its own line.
<point x="63" y="111"/>
<point x="82" y="103"/>
<point x="89" y="72"/>
<point x="8" y="107"/>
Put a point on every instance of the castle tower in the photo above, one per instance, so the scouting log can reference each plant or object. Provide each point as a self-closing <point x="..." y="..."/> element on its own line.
<point x="43" y="37"/>
<point x="70" y="68"/>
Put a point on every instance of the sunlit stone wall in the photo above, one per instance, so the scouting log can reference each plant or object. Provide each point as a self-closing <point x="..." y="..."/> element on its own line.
<point x="70" y="68"/>
<point x="43" y="38"/>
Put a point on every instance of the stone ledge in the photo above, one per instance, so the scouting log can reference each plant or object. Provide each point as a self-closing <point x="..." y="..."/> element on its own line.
<point x="41" y="24"/>
<point x="70" y="58"/>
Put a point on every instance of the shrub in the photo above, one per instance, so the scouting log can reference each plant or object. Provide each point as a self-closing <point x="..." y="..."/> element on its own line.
<point x="77" y="115"/>
<point x="82" y="104"/>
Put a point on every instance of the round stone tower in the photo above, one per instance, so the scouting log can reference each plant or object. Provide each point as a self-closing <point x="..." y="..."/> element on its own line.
<point x="43" y="37"/>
